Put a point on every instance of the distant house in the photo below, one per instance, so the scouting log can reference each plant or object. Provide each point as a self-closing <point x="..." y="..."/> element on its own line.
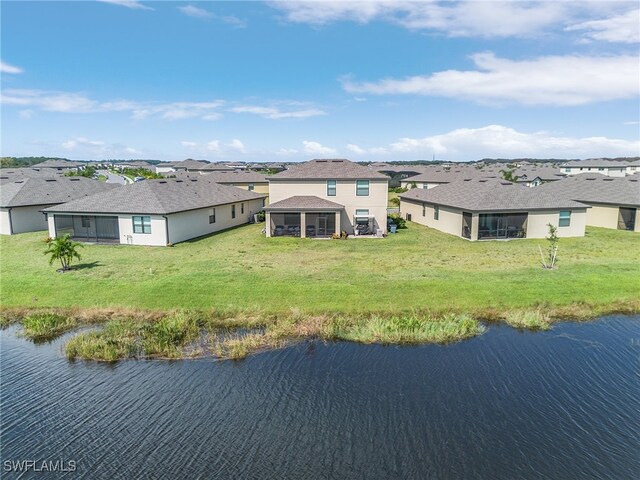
<point x="614" y="202"/>
<point x="165" y="167"/>
<point x="23" y="198"/>
<point x="60" y="165"/>
<point x="483" y="209"/>
<point x="610" y="168"/>
<point x="247" y="180"/>
<point x="155" y="212"/>
<point x="135" y="164"/>
<point x="322" y="197"/>
<point x="190" y="165"/>
<point x="633" y="167"/>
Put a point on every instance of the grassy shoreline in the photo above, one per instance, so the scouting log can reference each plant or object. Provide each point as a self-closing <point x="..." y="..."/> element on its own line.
<point x="128" y="333"/>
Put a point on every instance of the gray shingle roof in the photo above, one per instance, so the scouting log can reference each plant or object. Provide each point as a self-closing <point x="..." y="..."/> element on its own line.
<point x="11" y="174"/>
<point x="198" y="165"/>
<point x="335" y="169"/>
<point x="596" y="162"/>
<point x="594" y="188"/>
<point x="159" y="197"/>
<point x="237" y="177"/>
<point x="481" y="195"/>
<point x="304" y="202"/>
<point x="47" y="191"/>
<point x="58" y="164"/>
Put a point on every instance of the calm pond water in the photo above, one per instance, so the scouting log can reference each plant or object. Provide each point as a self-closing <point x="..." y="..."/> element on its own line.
<point x="560" y="404"/>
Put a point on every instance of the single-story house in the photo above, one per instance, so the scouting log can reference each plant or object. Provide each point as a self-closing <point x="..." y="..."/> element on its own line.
<point x="321" y="197"/>
<point x="614" y="202"/>
<point x="155" y="212"/>
<point x="485" y="209"/>
<point x="190" y="165"/>
<point x="60" y="165"/>
<point x="22" y="198"/>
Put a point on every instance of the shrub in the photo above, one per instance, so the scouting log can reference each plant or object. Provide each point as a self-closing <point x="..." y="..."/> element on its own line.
<point x="397" y="219"/>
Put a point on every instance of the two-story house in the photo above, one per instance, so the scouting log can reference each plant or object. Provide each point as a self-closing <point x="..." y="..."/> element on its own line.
<point x="321" y="197"/>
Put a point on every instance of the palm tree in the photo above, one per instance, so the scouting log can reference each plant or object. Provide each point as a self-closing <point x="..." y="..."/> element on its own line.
<point x="63" y="249"/>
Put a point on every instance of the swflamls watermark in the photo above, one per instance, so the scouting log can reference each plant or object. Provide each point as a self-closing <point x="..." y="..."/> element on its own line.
<point x="22" y="466"/>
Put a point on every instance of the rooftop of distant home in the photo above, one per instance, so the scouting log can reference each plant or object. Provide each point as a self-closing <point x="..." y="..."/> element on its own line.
<point x="598" y="162"/>
<point x="595" y="188"/>
<point x="159" y="197"/>
<point x="488" y="195"/>
<point x="25" y="191"/>
<point x="329" y="169"/>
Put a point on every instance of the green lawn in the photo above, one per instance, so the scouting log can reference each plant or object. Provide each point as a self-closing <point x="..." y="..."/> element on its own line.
<point x="418" y="268"/>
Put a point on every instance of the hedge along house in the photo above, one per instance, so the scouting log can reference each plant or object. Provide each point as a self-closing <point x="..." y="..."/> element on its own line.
<point x="155" y="212"/>
<point x="484" y="209"/>
<point x="614" y="202"/>
<point x="23" y="197"/>
<point x="321" y="197"/>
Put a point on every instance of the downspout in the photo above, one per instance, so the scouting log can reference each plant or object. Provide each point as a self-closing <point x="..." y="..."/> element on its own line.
<point x="10" y="222"/>
<point x="166" y="227"/>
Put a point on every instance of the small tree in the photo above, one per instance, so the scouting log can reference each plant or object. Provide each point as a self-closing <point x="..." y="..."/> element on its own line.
<point x="552" y="250"/>
<point x="63" y="249"/>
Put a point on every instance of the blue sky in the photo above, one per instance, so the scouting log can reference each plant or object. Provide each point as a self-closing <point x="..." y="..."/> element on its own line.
<point x="290" y="81"/>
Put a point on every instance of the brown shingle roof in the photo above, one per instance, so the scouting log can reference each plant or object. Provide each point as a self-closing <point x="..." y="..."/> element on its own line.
<point x="304" y="202"/>
<point x="335" y="169"/>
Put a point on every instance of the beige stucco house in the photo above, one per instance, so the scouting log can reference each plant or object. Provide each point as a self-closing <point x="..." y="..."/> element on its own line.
<point x="614" y="202"/>
<point x="25" y="192"/>
<point x="155" y="212"/>
<point x="247" y="180"/>
<point x="321" y="197"/>
<point x="609" y="168"/>
<point x="484" y="209"/>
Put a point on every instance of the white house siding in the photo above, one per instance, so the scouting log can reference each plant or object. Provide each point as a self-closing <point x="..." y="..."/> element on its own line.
<point x="375" y="202"/>
<point x="195" y="223"/>
<point x="5" y="224"/>
<point x="157" y="237"/>
<point x="23" y="219"/>
<point x="608" y="171"/>
<point x="537" y="223"/>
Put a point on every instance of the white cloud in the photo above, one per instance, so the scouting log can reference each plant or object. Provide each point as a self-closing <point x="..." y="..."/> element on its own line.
<point x="213" y="146"/>
<point x="237" y="145"/>
<point x="286" y="151"/>
<point x="73" y="143"/>
<point x="133" y="4"/>
<point x="553" y="80"/>
<point x="26" y="114"/>
<point x="624" y="28"/>
<point x="196" y="12"/>
<point x="503" y="142"/>
<point x="277" y="114"/>
<point x="455" y="19"/>
<point x="355" y="149"/>
<point x="635" y="122"/>
<point x="6" y="68"/>
<point x="188" y="144"/>
<point x="75" y="102"/>
<point x="315" y="148"/>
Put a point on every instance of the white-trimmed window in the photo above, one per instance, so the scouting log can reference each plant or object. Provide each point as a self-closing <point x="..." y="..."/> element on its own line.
<point x="565" y="218"/>
<point x="331" y="188"/>
<point x="141" y="224"/>
<point x="251" y="187"/>
<point x="425" y="185"/>
<point x="362" y="216"/>
<point x="362" y="188"/>
<point x="212" y="215"/>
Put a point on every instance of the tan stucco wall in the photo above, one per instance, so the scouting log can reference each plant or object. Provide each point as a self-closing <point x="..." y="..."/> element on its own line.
<point x="538" y="220"/>
<point x="257" y="187"/>
<point x="195" y="223"/>
<point x="603" y="216"/>
<point x="23" y="219"/>
<point x="375" y="202"/>
<point x="449" y="220"/>
<point x="637" y="224"/>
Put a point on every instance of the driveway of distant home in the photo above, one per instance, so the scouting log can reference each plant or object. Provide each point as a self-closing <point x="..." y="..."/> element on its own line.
<point x="112" y="178"/>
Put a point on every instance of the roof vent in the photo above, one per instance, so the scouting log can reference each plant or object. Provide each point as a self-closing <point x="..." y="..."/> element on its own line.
<point x="506" y="183"/>
<point x="193" y="179"/>
<point x="179" y="181"/>
<point x="337" y="161"/>
<point x="50" y="180"/>
<point x="321" y="161"/>
<point x="608" y="179"/>
<point x="74" y="179"/>
<point x="467" y="180"/>
<point x="589" y="178"/>
<point x="162" y="181"/>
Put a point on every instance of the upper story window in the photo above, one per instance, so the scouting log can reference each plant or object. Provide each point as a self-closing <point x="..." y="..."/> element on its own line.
<point x="567" y="170"/>
<point x="331" y="188"/>
<point x="425" y="185"/>
<point x="141" y="224"/>
<point x="565" y="218"/>
<point x="362" y="188"/>
<point x="251" y="187"/>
